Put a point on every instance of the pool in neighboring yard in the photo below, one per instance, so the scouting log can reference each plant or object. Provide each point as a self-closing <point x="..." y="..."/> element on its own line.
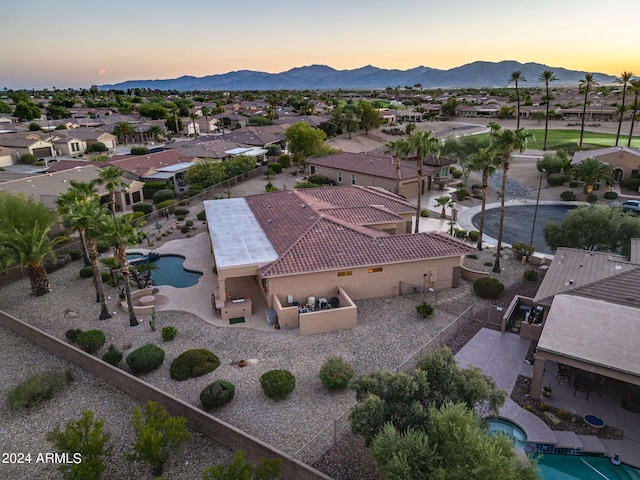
<point x="170" y="271"/>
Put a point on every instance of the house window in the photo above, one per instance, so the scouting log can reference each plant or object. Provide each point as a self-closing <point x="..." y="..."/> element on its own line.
<point x="136" y="196"/>
<point x="634" y="172"/>
<point x="345" y="273"/>
<point x="312" y="170"/>
<point x="375" y="270"/>
<point x="353" y="179"/>
<point x="339" y="176"/>
<point x="127" y="198"/>
<point x="444" y="172"/>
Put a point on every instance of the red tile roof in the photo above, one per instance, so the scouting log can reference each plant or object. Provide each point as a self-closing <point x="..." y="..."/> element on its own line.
<point x="140" y="165"/>
<point x="363" y="215"/>
<point x="355" y="196"/>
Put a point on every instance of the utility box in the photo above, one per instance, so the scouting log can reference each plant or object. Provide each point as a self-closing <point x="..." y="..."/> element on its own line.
<point x="272" y="317"/>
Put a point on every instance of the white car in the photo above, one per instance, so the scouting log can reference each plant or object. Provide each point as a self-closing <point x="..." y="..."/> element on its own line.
<point x="631" y="206"/>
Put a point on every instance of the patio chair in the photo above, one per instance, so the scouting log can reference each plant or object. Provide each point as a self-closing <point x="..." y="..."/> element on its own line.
<point x="600" y="384"/>
<point x="565" y="374"/>
<point x="583" y="384"/>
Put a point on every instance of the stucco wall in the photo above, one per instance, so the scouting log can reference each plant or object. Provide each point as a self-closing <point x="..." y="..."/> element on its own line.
<point x="342" y="318"/>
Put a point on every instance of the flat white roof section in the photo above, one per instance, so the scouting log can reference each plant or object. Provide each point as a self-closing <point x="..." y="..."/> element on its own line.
<point x="236" y="235"/>
<point x="594" y="331"/>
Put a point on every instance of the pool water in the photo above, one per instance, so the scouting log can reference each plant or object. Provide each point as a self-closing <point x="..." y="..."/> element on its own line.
<point x="170" y="271"/>
<point x="500" y="426"/>
<point x="568" y="467"/>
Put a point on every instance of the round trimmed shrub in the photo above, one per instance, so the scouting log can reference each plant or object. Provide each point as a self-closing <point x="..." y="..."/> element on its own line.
<point x="139" y="150"/>
<point x="72" y="334"/>
<point x="567" y="195"/>
<point x="556" y="180"/>
<point x="193" y="363"/>
<point x="76" y="253"/>
<point x="632" y="183"/>
<point x="91" y="340"/>
<point x="144" y="207"/>
<point x="473" y="235"/>
<point x="162" y="196"/>
<point x="275" y="166"/>
<point x="145" y="359"/>
<point x="461" y="233"/>
<point x="424" y="212"/>
<point x="317" y="178"/>
<point x="573" y="184"/>
<point x="201" y="216"/>
<point x="86" y="272"/>
<point x="336" y="373"/>
<point x="170" y="204"/>
<point x="97" y="147"/>
<point x="182" y="211"/>
<point x="112" y="356"/>
<point x="610" y="195"/>
<point x="217" y="394"/>
<point x="488" y="287"/>
<point x="284" y="160"/>
<point x="531" y="275"/>
<point x="277" y="384"/>
<point x="592" y="198"/>
<point x="168" y="333"/>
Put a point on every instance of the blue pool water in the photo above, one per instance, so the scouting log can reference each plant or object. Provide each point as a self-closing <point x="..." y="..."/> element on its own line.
<point x="499" y="426"/>
<point x="568" y="467"/>
<point x="170" y="271"/>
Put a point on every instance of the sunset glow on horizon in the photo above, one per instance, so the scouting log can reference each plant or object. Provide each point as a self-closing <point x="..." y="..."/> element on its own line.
<point x="82" y="43"/>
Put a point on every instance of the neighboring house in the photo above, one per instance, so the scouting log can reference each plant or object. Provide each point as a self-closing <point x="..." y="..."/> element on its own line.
<point x="90" y="136"/>
<point x="292" y="249"/>
<point x="68" y="144"/>
<point x="217" y="149"/>
<point x="8" y="156"/>
<point x="27" y="144"/>
<point x="624" y="161"/>
<point x="256" y="137"/>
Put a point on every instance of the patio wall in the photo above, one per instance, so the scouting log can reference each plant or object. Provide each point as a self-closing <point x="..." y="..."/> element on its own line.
<point x="321" y="321"/>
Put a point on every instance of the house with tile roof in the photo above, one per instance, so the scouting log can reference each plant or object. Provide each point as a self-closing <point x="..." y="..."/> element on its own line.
<point x="305" y="250"/>
<point x="27" y="144"/>
<point x="624" y="161"/>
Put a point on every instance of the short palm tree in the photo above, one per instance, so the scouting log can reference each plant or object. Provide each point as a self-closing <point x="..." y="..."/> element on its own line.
<point x="547" y="77"/>
<point x="624" y="80"/>
<point x="399" y="149"/>
<point x="487" y="162"/>
<point x="493" y="126"/>
<point x="591" y="170"/>
<point x="587" y="84"/>
<point x="124" y="130"/>
<point x="111" y="178"/>
<point x="635" y="89"/>
<point x="205" y="113"/>
<point x="503" y="143"/>
<point x="157" y="132"/>
<point x="424" y="144"/>
<point x="443" y="202"/>
<point x="515" y="78"/>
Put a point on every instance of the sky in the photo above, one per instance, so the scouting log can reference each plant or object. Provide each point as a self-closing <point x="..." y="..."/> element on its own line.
<point x="79" y="43"/>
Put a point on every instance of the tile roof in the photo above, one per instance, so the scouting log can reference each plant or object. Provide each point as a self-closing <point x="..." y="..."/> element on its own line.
<point x="371" y="164"/>
<point x="621" y="289"/>
<point x="141" y="165"/>
<point x="579" y="156"/>
<point x="255" y="138"/>
<point x="64" y="164"/>
<point x="356" y="196"/>
<point x="362" y="215"/>
<point x="202" y="148"/>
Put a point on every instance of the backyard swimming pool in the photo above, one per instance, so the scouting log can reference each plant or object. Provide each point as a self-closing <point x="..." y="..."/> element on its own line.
<point x="170" y="271"/>
<point x="569" y="467"/>
<point x="500" y="426"/>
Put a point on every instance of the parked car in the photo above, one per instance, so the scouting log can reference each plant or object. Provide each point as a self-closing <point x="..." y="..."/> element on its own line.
<point x="631" y="206"/>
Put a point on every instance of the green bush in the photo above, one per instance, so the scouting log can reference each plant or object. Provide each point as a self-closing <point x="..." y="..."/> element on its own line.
<point x="275" y="167"/>
<point x="72" y="334"/>
<point x="168" y="333"/>
<point x="217" y="394"/>
<point x="472" y="255"/>
<point x="424" y="310"/>
<point x="162" y="196"/>
<point x="474" y="235"/>
<point x="563" y="415"/>
<point x="91" y="340"/>
<point x="456" y="173"/>
<point x="184" y="229"/>
<point x="97" y="147"/>
<point x="460" y="233"/>
<point x="522" y="250"/>
<point x="202" y="216"/>
<point x="182" y="211"/>
<point x="145" y="359"/>
<point x="461" y="194"/>
<point x="152" y="187"/>
<point x="592" y="198"/>
<point x="106" y="278"/>
<point x="284" y="160"/>
<point x="277" y="384"/>
<point x="488" y="287"/>
<point x="336" y="373"/>
<point x="112" y="355"/>
<point x="139" y="150"/>
<point x="567" y="196"/>
<point x="86" y="272"/>
<point x="35" y="390"/>
<point x="28" y="159"/>
<point x="144" y="207"/>
<point x="180" y="218"/>
<point x="573" y="184"/>
<point x="610" y="195"/>
<point x="75" y="254"/>
<point x="557" y="180"/>
<point x="488" y="264"/>
<point x="193" y="363"/>
<point x="531" y="275"/>
<point x="189" y="223"/>
<point x="424" y="213"/>
<point x="632" y="183"/>
<point x="169" y="204"/>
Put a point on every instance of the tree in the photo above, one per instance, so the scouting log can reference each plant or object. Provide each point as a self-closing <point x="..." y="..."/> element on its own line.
<point x="635" y="89"/>
<point x="27" y="111"/>
<point x="111" y="178"/>
<point x="153" y="111"/>
<point x="399" y="149"/>
<point x="205" y="173"/>
<point x="84" y="437"/>
<point x="538" y="115"/>
<point x="462" y="149"/>
<point x="369" y="116"/>
<point x="54" y="112"/>
<point x="591" y="170"/>
<point x="77" y="193"/>
<point x="424" y="144"/>
<point x="174" y="124"/>
<point x="205" y="113"/>
<point x="157" y="132"/>
<point x="304" y="140"/>
<point x="547" y="77"/>
<point x="444" y="202"/>
<point x="25" y="240"/>
<point x="503" y="142"/>
<point x="597" y="227"/>
<point x="124" y="130"/>
<point x="450" y="107"/>
<point x="515" y="78"/>
<point x="485" y="161"/>
<point x="587" y="84"/>
<point x="624" y="80"/>
<point x="493" y="126"/>
<point x="158" y="435"/>
<point x="454" y="444"/>
<point x="5" y="107"/>
<point x="242" y="469"/>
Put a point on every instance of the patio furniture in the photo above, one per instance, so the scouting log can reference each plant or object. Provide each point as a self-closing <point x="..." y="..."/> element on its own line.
<point x="583" y="383"/>
<point x="565" y="374"/>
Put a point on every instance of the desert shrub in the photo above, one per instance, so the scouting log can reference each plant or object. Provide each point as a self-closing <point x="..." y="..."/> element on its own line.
<point x="528" y="408"/>
<point x="145" y="359"/>
<point x="531" y="275"/>
<point x="488" y="287"/>
<point x="461" y="233"/>
<point x="184" y="229"/>
<point x="473" y="235"/>
<point x="567" y="196"/>
<point x="270" y="187"/>
<point x="103" y="246"/>
<point x="473" y="256"/>
<point x="557" y="180"/>
<point x="275" y="167"/>
<point x="35" y="390"/>
<point x="461" y="193"/>
<point x="217" y="394"/>
<point x="632" y="183"/>
<point x="277" y="384"/>
<point x="424" y="310"/>
<point x="28" y="158"/>
<point x="72" y="334"/>
<point x="543" y="407"/>
<point x="610" y="195"/>
<point x="284" y="160"/>
<point x="182" y="211"/>
<point x="168" y="333"/>
<point x="488" y="264"/>
<point x="144" y="207"/>
<point x="162" y="196"/>
<point x="317" y="179"/>
<point x="180" y="218"/>
<point x="573" y="184"/>
<point x="193" y="363"/>
<point x="112" y="355"/>
<point x="91" y="340"/>
<point x="477" y="196"/>
<point x="139" y="150"/>
<point x="106" y="278"/>
<point x="201" y="216"/>
<point x="75" y="254"/>
<point x="97" y="147"/>
<point x="563" y="415"/>
<point x="336" y="373"/>
<point x="592" y="198"/>
<point x="522" y="249"/>
<point x="189" y="223"/>
<point x="86" y="272"/>
<point x="424" y="213"/>
<point x="169" y="204"/>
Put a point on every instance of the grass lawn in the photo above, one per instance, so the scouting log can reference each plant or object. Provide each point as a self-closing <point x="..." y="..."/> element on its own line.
<point x="568" y="139"/>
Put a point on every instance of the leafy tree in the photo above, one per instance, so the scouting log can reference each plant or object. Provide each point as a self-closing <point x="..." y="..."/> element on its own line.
<point x="54" y="112"/>
<point x="304" y="140"/>
<point x="174" y="124"/>
<point x="25" y="240"/>
<point x="625" y="77"/>
<point x="205" y="173"/>
<point x="84" y="437"/>
<point x="515" y="78"/>
<point x="550" y="164"/>
<point x="506" y="111"/>
<point x="242" y="469"/>
<point x="424" y="144"/>
<point x="158" y="435"/>
<point x="5" y="107"/>
<point x="443" y="202"/>
<point x="369" y="116"/>
<point x="450" y="107"/>
<point x="462" y="150"/>
<point x="538" y="115"/>
<point x="153" y="111"/>
<point x="27" y="111"/>
<point x="597" y="227"/>
<point x="157" y="132"/>
<point x="111" y="178"/>
<point x="34" y="127"/>
<point x="591" y="170"/>
<point x="635" y="89"/>
<point x="124" y="130"/>
<point x="547" y="77"/>
<point x="486" y="161"/>
<point x="587" y="84"/>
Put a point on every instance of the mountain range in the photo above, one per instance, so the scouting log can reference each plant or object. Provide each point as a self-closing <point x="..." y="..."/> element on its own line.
<point x="472" y="75"/>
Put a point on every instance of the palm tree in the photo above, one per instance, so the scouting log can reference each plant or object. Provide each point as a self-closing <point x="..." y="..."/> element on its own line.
<point x="591" y="170"/>
<point x="399" y="149"/>
<point x="493" y="126"/>
<point x="547" y="77"/>
<point x="635" y="88"/>
<point x="111" y="178"/>
<point x="157" y="132"/>
<point x="487" y="162"/>
<point x="121" y="232"/>
<point x="503" y="143"/>
<point x="205" y="113"/>
<point x="424" y="144"/>
<point x="25" y="240"/>
<point x="515" y="78"/>
<point x="587" y="84"/>
<point x="124" y="130"/>
<point x="443" y="202"/>
<point x="78" y="192"/>
<point x="624" y="80"/>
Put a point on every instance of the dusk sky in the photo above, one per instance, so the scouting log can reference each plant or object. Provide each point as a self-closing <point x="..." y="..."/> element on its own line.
<point x="78" y="43"/>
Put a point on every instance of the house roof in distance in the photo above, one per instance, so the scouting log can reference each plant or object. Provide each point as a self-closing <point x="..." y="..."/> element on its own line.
<point x="370" y="164"/>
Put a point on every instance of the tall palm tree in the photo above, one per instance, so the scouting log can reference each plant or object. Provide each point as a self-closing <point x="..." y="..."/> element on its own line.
<point x="503" y="143"/>
<point x="424" y="144"/>
<point x="121" y="232"/>
<point x="547" y="77"/>
<point x="635" y="89"/>
<point x="111" y="178"/>
<point x="124" y="130"/>
<point x="587" y="84"/>
<point x="591" y="170"/>
<point x="515" y="78"/>
<point x="399" y="149"/>
<point x="487" y="162"/>
<point x="624" y="80"/>
<point x="78" y="192"/>
<point x="205" y="113"/>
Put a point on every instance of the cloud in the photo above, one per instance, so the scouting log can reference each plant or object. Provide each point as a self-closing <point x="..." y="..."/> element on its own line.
<point x="101" y="71"/>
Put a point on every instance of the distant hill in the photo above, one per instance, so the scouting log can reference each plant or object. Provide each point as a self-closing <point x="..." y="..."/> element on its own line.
<point x="477" y="74"/>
